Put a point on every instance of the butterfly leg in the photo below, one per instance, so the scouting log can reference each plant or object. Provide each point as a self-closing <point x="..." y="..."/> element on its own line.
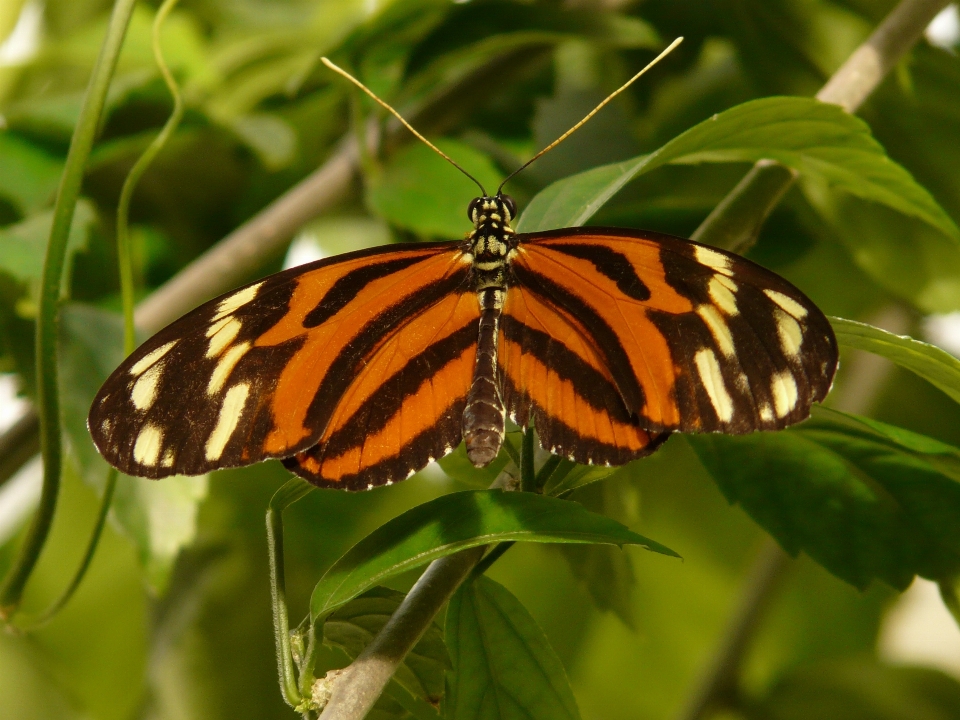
<point x="483" y="416"/>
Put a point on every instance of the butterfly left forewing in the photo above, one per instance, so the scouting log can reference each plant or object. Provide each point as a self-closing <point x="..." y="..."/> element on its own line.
<point x="695" y="339"/>
<point x="256" y="373"/>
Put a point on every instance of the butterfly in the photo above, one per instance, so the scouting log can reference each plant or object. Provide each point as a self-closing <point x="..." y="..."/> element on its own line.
<point x="359" y="370"/>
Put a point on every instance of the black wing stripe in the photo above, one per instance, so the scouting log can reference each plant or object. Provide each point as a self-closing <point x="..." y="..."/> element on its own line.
<point x="611" y="264"/>
<point x="350" y="285"/>
<point x="375" y="412"/>
<point x="565" y="440"/>
<point x="605" y="339"/>
<point x="417" y="453"/>
<point x="590" y="385"/>
<point x="344" y="367"/>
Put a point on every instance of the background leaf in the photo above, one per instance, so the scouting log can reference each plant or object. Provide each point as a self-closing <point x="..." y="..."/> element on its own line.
<point x="863" y="502"/>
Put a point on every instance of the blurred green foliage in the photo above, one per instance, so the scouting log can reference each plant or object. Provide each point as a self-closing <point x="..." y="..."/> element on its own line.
<point x="173" y="620"/>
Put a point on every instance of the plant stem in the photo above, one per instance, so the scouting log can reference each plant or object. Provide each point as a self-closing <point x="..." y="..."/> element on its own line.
<point x="288" y="494"/>
<point x="728" y="226"/>
<point x="109" y="487"/>
<point x="133" y="178"/>
<point x="528" y="477"/>
<point x="48" y="402"/>
<point x="720" y="683"/>
<point x="357" y="688"/>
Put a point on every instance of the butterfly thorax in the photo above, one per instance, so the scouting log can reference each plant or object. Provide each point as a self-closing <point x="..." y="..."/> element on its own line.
<point x="491" y="245"/>
<point x="491" y="242"/>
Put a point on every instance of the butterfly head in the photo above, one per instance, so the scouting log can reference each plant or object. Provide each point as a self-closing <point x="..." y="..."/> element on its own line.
<point x="497" y="210"/>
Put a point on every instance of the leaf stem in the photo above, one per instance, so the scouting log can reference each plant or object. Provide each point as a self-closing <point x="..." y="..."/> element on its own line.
<point x="48" y="402"/>
<point x="528" y="476"/>
<point x="288" y="494"/>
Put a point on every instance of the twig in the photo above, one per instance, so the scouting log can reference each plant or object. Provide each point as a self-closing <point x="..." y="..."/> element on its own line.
<point x="848" y="87"/>
<point x="356" y="689"/>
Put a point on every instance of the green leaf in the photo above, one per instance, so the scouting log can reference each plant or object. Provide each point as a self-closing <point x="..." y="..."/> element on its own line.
<point x="422" y="192"/>
<point x="569" y="476"/>
<point x="352" y="626"/>
<point x="863" y="689"/>
<point x="934" y="365"/>
<point x="864" y="499"/>
<point x="503" y="665"/>
<point x="28" y="175"/>
<point x="818" y="140"/>
<point x="160" y="518"/>
<point x="22" y="246"/>
<point x="458" y="521"/>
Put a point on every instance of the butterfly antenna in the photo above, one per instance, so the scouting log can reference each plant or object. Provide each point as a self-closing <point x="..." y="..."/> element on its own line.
<point x="593" y="112"/>
<point x="398" y="116"/>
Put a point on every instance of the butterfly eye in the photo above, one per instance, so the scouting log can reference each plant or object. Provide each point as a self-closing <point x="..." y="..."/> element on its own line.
<point x="473" y="208"/>
<point x="509" y="205"/>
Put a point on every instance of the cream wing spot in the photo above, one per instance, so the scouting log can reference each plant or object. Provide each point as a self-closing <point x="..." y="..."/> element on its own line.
<point x="237" y="300"/>
<point x="222" y="334"/>
<point x="167" y="460"/>
<point x="712" y="378"/>
<point x="223" y="369"/>
<point x="791" y="337"/>
<point x="787" y="303"/>
<point x="713" y="259"/>
<point x="146" y="449"/>
<point x="722" y="295"/>
<point x="230" y="411"/>
<point x="144" y="392"/>
<point x="150" y="358"/>
<point x="766" y="413"/>
<point x="718" y="328"/>
<point x="784" y="389"/>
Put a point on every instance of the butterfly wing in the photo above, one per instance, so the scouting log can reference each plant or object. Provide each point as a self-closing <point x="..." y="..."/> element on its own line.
<point x="259" y="372"/>
<point x="693" y="338"/>
<point x="551" y="372"/>
<point x="405" y="407"/>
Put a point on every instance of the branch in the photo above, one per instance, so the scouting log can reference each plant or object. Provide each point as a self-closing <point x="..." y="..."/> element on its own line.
<point x="765" y="184"/>
<point x="354" y="690"/>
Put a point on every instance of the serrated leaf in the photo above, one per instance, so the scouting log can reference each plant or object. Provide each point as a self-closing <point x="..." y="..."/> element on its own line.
<point x="422" y="192"/>
<point x="503" y="665"/>
<point x="818" y="140"/>
<point x="458" y="521"/>
<point x="934" y="365"/>
<point x="160" y="518"/>
<point x="864" y="499"/>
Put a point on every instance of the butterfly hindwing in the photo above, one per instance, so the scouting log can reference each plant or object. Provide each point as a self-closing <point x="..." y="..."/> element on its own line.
<point x="258" y="372"/>
<point x="553" y="374"/>
<point x="694" y="339"/>
<point x="404" y="408"/>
